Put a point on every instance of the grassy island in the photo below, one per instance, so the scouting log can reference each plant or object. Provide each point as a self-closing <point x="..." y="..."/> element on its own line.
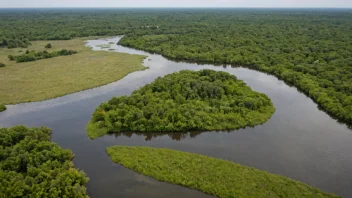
<point x="32" y="166"/>
<point x="57" y="76"/>
<point x="213" y="176"/>
<point x="184" y="101"/>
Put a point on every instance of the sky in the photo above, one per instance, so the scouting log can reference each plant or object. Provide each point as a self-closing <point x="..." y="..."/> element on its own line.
<point x="176" y="3"/>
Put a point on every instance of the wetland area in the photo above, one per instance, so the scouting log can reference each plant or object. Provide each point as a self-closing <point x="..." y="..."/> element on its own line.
<point x="299" y="141"/>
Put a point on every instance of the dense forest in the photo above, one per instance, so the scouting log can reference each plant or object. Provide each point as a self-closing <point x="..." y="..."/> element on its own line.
<point x="33" y="56"/>
<point x="308" y="48"/>
<point x="32" y="166"/>
<point x="186" y="101"/>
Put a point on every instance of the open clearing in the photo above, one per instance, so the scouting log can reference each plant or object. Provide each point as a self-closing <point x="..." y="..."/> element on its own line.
<point x="54" y="77"/>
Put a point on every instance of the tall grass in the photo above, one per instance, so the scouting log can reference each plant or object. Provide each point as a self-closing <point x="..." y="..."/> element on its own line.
<point x="213" y="176"/>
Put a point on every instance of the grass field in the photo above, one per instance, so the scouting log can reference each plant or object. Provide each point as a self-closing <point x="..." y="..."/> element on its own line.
<point x="213" y="176"/>
<point x="54" y="77"/>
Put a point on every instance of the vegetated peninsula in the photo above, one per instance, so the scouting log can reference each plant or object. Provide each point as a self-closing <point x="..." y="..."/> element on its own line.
<point x="32" y="166"/>
<point x="213" y="176"/>
<point x="184" y="101"/>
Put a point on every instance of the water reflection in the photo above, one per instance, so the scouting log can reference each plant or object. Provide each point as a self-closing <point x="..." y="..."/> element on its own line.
<point x="177" y="136"/>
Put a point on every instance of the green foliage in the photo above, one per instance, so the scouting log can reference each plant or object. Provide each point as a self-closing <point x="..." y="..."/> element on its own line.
<point x="213" y="176"/>
<point x="313" y="56"/>
<point x="13" y="43"/>
<point x="2" y="65"/>
<point x="308" y="49"/>
<point x="2" y="107"/>
<point x="185" y="101"/>
<point x="33" y="56"/>
<point x="48" y="45"/>
<point x="32" y="166"/>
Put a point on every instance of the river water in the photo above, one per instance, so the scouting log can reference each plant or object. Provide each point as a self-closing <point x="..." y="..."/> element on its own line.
<point x="299" y="141"/>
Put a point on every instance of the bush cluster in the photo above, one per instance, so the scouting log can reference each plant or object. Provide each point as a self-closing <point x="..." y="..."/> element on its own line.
<point x="33" y="56"/>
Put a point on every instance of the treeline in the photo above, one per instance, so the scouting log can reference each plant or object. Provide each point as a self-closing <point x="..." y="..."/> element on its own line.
<point x="33" y="56"/>
<point x="186" y="101"/>
<point x="32" y="166"/>
<point x="13" y="43"/>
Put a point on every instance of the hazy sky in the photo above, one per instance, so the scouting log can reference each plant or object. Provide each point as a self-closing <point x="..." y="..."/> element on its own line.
<point x="176" y="3"/>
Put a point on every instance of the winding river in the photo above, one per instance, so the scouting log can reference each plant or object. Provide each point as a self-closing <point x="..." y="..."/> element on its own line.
<point x="299" y="141"/>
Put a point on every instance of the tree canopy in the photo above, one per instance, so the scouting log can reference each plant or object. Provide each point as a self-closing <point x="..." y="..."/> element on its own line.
<point x="186" y="101"/>
<point x="32" y="166"/>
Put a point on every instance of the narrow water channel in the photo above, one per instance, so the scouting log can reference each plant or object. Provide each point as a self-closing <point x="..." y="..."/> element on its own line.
<point x="299" y="141"/>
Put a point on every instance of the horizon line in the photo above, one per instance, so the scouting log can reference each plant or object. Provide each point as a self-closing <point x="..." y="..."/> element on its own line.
<point x="181" y="7"/>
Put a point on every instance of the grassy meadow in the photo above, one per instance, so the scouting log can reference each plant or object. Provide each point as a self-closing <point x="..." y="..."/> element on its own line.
<point x="54" y="77"/>
<point x="212" y="176"/>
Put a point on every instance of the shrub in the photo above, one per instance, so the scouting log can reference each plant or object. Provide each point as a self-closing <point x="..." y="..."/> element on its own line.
<point x="11" y="57"/>
<point x="2" y="107"/>
<point x="48" y="45"/>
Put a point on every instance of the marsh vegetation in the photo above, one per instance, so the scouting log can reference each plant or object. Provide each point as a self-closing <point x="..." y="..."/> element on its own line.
<point x="213" y="176"/>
